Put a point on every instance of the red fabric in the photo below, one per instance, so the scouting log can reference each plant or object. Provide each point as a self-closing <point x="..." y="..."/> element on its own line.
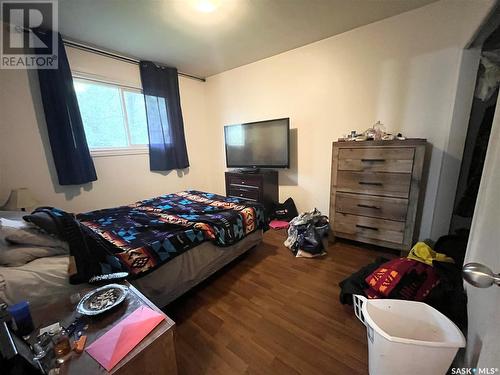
<point x="417" y="280"/>
<point x="279" y="224"/>
<point x="383" y="280"/>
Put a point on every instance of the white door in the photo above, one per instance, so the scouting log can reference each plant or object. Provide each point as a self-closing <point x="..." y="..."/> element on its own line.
<point x="483" y="337"/>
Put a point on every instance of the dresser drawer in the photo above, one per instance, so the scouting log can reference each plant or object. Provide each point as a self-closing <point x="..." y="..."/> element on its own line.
<point x="242" y="192"/>
<point x="382" y="159"/>
<point x="365" y="228"/>
<point x="386" y="184"/>
<point x="372" y="206"/>
<point x="245" y="181"/>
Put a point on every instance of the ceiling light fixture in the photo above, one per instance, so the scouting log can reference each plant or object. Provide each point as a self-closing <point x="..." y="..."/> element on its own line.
<point x="221" y="14"/>
<point x="207" y="6"/>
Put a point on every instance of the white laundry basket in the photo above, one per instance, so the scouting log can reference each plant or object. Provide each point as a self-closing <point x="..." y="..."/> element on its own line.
<point x="407" y="337"/>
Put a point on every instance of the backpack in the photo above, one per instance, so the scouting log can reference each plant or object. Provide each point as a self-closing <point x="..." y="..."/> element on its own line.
<point x="285" y="211"/>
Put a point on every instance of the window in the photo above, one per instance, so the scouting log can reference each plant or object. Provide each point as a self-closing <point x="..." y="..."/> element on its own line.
<point x="114" y="117"/>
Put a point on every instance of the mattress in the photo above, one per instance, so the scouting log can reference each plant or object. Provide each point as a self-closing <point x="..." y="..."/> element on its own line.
<point x="45" y="280"/>
<point x="147" y="234"/>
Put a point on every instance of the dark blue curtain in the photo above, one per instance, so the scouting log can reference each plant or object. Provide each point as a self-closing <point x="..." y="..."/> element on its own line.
<point x="71" y="154"/>
<point x="167" y="143"/>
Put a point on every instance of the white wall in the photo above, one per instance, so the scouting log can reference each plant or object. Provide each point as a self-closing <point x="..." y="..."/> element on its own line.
<point x="26" y="160"/>
<point x="403" y="71"/>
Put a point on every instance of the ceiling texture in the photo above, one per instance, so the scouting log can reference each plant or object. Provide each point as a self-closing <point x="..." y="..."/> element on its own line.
<point x="206" y="37"/>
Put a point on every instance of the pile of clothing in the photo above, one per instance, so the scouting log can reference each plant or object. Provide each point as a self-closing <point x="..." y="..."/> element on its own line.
<point x="425" y="275"/>
<point x="306" y="233"/>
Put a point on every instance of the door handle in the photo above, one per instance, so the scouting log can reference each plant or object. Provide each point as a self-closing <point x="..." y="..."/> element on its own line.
<point x="370" y="183"/>
<point x="479" y="275"/>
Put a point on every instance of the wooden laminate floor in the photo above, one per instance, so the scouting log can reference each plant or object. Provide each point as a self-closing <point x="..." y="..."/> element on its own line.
<point x="271" y="313"/>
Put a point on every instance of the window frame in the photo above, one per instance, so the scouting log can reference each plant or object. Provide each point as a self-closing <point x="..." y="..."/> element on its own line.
<point x="131" y="149"/>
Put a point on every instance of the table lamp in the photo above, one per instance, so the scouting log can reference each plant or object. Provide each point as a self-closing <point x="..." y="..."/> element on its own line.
<point x="20" y="199"/>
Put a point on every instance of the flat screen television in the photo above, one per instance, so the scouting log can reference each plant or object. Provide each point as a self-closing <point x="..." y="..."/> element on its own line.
<point x="262" y="144"/>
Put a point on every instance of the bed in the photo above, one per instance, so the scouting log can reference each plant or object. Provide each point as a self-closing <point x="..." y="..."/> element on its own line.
<point x="162" y="280"/>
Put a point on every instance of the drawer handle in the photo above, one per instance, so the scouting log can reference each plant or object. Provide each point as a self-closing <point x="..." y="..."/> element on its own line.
<point x="370" y="183"/>
<point x="366" y="227"/>
<point x="368" y="206"/>
<point x="244" y="187"/>
<point x="246" y="190"/>
<point x="373" y="160"/>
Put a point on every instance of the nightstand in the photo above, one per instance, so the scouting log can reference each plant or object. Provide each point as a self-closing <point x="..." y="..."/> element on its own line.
<point x="259" y="187"/>
<point x="154" y="355"/>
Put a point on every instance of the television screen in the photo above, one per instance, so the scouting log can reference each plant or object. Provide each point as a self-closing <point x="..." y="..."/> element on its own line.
<point x="258" y="144"/>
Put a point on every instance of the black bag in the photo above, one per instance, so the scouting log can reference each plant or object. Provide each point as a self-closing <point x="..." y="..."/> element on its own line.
<point x="309" y="240"/>
<point x="285" y="211"/>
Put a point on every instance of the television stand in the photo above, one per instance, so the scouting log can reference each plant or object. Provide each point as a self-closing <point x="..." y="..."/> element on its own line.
<point x="261" y="186"/>
<point x="248" y="170"/>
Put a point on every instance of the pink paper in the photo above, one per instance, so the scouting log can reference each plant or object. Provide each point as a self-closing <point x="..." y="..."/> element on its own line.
<point x="115" y="344"/>
<point x="278" y="224"/>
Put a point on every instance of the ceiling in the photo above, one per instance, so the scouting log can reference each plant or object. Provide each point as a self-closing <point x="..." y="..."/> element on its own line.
<point x="223" y="35"/>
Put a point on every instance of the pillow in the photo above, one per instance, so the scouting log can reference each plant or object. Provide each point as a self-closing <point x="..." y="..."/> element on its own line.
<point x="18" y="223"/>
<point x="20" y="246"/>
<point x="33" y="237"/>
<point x="9" y="223"/>
<point x="4" y="232"/>
<point x="15" y="256"/>
<point x="44" y="220"/>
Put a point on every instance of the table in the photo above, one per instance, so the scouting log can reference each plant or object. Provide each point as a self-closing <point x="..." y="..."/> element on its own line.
<point x="153" y="355"/>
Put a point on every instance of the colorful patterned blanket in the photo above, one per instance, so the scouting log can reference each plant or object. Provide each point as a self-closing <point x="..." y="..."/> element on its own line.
<point x="149" y="233"/>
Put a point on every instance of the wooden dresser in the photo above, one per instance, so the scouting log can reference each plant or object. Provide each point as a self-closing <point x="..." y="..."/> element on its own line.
<point x="375" y="191"/>
<point x="260" y="187"/>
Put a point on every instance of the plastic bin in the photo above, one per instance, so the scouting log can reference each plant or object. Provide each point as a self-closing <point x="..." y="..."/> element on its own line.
<point x="407" y="337"/>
